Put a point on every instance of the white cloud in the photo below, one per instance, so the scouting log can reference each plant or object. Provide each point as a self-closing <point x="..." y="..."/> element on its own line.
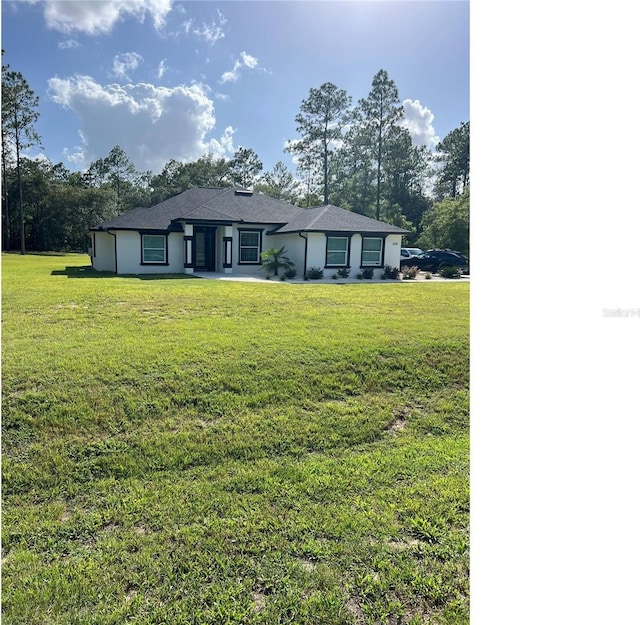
<point x="162" y="68"/>
<point x="38" y="157"/>
<point x="69" y="43"/>
<point x="96" y="18"/>
<point x="152" y="124"/>
<point x="246" y="60"/>
<point x="76" y="158"/>
<point x="224" y="146"/>
<point x="209" y="32"/>
<point x="418" y="120"/>
<point x="125" y="63"/>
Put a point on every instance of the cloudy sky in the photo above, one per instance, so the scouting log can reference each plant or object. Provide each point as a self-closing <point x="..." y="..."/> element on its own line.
<point x="173" y="79"/>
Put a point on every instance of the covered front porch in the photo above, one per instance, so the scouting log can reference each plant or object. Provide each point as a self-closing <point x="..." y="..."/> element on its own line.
<point x="208" y="248"/>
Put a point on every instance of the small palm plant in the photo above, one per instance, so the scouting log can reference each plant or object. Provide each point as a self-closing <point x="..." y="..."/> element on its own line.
<point x="274" y="259"/>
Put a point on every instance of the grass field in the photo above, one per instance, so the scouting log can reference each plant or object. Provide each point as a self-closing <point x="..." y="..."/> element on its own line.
<point x="192" y="451"/>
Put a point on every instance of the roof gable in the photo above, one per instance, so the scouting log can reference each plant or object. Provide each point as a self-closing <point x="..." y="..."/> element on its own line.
<point x="332" y="218"/>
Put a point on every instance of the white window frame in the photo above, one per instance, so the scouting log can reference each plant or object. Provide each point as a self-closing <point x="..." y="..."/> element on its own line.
<point x="339" y="251"/>
<point x="378" y="261"/>
<point x="145" y="249"/>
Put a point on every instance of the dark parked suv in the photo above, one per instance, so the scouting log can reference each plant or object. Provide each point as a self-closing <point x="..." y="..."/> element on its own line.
<point x="434" y="260"/>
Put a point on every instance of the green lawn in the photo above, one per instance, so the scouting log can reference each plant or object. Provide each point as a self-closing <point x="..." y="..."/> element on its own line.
<point x="195" y="451"/>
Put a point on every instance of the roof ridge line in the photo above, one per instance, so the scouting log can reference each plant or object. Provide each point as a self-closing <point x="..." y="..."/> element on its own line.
<point x="323" y="210"/>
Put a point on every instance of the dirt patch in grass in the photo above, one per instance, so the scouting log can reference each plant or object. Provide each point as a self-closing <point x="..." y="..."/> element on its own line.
<point x="354" y="608"/>
<point x="396" y="426"/>
<point x="259" y="601"/>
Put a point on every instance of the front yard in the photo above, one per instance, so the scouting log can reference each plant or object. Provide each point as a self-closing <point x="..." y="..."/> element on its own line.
<point x="196" y="451"/>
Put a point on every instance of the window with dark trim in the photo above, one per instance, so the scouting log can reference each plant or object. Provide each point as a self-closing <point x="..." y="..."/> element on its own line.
<point x="250" y="246"/>
<point x="372" y="248"/>
<point x="337" y="251"/>
<point x="153" y="249"/>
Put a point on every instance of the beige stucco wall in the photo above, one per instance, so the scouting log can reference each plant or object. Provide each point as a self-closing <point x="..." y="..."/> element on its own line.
<point x="316" y="253"/>
<point x="104" y="259"/>
<point x="128" y="253"/>
<point x="392" y="247"/>
<point x="294" y="249"/>
<point x="293" y="244"/>
<point x="316" y="249"/>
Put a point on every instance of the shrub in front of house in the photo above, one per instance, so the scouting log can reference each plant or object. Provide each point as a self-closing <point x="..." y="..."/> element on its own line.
<point x="390" y="273"/>
<point x="274" y="259"/>
<point x="291" y="273"/>
<point x="314" y="273"/>
<point x="449" y="272"/>
<point x="409" y="273"/>
<point x="367" y="273"/>
<point x="344" y="272"/>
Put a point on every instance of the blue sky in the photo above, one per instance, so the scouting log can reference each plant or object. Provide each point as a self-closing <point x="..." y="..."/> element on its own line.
<point x="172" y="79"/>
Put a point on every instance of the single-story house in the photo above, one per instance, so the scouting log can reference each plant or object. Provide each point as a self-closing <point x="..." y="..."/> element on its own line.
<point x="225" y="230"/>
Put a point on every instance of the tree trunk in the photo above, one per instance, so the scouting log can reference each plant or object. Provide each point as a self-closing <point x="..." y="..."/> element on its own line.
<point x="326" y="177"/>
<point x="6" y="230"/>
<point x="379" y="172"/>
<point x="22" y="245"/>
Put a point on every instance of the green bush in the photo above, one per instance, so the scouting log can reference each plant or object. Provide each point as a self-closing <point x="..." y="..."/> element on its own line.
<point x="367" y="273"/>
<point x="274" y="259"/>
<point x="390" y="273"/>
<point x="291" y="273"/>
<point x="344" y="273"/>
<point x="314" y="273"/>
<point x="449" y="271"/>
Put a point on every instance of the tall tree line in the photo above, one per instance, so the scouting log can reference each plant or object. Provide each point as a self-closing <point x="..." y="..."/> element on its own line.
<point x="363" y="158"/>
<point x="358" y="157"/>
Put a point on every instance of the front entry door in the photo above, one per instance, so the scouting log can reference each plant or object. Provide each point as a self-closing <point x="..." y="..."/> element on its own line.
<point x="205" y="248"/>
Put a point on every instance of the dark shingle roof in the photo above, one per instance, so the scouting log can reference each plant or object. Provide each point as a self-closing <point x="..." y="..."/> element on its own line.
<point x="203" y="203"/>
<point x="334" y="219"/>
<point x="237" y="205"/>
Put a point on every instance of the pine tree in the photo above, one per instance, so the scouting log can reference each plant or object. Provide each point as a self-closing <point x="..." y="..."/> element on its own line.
<point x="321" y="120"/>
<point x="19" y="114"/>
<point x="381" y="110"/>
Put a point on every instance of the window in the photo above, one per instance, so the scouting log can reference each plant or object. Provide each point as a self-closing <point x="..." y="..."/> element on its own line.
<point x="249" y="246"/>
<point x="337" y="249"/>
<point x="154" y="248"/>
<point x="372" y="252"/>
